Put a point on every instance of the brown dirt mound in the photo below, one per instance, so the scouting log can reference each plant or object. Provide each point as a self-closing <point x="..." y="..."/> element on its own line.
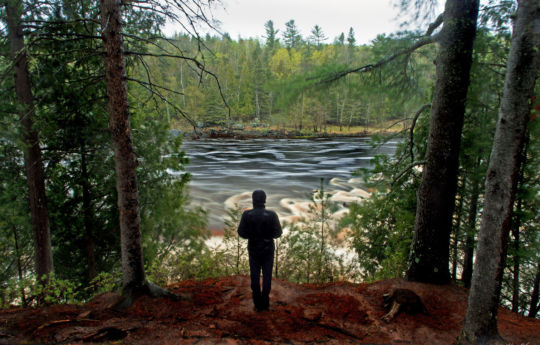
<point x="220" y="311"/>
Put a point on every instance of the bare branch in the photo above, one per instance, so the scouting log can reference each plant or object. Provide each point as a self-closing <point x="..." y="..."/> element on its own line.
<point x="435" y="25"/>
<point x="164" y="99"/>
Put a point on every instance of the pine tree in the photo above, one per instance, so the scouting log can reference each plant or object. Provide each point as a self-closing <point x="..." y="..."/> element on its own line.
<point x="429" y="259"/>
<point x="291" y="35"/>
<point x="480" y="325"/>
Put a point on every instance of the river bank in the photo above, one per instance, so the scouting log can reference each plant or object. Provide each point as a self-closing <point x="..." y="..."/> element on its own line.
<point x="274" y="132"/>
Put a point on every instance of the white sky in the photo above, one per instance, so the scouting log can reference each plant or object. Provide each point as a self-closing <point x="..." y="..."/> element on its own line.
<point x="246" y="18"/>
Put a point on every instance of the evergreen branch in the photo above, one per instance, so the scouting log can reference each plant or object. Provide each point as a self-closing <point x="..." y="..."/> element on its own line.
<point x="370" y="67"/>
<point x="406" y="170"/>
<point x="61" y="22"/>
<point x="56" y="35"/>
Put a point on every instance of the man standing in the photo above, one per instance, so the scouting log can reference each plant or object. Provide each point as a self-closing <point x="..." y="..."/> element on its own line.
<point x="260" y="226"/>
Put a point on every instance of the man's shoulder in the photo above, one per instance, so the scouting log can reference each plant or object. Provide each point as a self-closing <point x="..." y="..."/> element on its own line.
<point x="273" y="213"/>
<point x="259" y="211"/>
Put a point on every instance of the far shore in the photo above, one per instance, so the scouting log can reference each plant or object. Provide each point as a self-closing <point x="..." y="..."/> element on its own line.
<point x="272" y="132"/>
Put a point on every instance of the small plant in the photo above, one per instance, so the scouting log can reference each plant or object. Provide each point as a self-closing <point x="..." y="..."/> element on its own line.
<point x="104" y="282"/>
<point x="51" y="290"/>
<point x="235" y="252"/>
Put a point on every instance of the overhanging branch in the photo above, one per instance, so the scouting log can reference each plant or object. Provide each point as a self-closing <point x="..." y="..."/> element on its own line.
<point x="370" y="67"/>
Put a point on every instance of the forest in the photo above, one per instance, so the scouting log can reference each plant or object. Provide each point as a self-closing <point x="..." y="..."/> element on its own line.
<point x="96" y="103"/>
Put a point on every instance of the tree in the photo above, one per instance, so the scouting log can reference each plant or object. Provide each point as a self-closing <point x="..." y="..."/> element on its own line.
<point x="133" y="274"/>
<point x="429" y="258"/>
<point x="317" y="36"/>
<point x="351" y="41"/>
<point x="340" y="40"/>
<point x="480" y="325"/>
<point x="291" y="35"/>
<point x="32" y="152"/>
<point x="271" y="34"/>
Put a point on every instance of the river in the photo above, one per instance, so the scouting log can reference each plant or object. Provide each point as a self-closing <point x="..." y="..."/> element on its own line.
<point x="226" y="171"/>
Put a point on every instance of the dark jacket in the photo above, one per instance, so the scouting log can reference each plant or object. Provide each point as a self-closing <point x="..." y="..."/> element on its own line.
<point x="260" y="226"/>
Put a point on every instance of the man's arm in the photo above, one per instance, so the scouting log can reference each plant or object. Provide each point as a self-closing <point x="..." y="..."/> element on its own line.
<point x="242" y="228"/>
<point x="276" y="227"/>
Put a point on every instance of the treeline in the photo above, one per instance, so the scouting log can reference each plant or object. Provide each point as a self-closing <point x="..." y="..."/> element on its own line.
<point x="277" y="81"/>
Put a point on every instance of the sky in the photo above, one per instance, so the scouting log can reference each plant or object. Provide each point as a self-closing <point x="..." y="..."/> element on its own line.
<point x="246" y="18"/>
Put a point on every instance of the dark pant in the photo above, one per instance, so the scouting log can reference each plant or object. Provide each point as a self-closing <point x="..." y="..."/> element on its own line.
<point x="258" y="262"/>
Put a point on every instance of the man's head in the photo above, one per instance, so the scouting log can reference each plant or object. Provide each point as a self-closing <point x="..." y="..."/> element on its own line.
<point x="259" y="198"/>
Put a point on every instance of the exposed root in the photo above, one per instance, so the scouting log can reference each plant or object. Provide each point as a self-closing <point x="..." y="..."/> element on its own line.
<point x="402" y="300"/>
<point x="134" y="290"/>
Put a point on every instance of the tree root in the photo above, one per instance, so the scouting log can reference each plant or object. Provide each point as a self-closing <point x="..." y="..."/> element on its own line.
<point x="134" y="290"/>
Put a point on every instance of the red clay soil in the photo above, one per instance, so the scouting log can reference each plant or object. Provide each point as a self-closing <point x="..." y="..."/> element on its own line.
<point x="220" y="311"/>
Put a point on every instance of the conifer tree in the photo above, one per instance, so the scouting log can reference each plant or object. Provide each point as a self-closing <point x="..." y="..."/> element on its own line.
<point x="480" y="325"/>
<point x="32" y="151"/>
<point x="291" y="35"/>
<point x="429" y="259"/>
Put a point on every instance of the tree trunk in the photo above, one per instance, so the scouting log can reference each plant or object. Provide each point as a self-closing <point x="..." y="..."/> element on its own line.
<point x="466" y="275"/>
<point x="125" y="162"/>
<point x="88" y="215"/>
<point x="457" y="227"/>
<point x="124" y="155"/>
<point x="32" y="152"/>
<point x="534" y="306"/>
<point x="516" y="225"/>
<point x="429" y="256"/>
<point x="19" y="266"/>
<point x="515" y="277"/>
<point x="480" y="325"/>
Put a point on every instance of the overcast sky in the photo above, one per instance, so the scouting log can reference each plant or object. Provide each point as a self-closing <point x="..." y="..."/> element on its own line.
<point x="246" y="18"/>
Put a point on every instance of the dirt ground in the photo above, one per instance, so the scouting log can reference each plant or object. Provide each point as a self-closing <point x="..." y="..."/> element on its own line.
<point x="220" y="311"/>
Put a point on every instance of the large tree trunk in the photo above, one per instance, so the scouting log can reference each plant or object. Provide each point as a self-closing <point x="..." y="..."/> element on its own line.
<point x="32" y="152"/>
<point x="480" y="325"/>
<point x="429" y="257"/>
<point x="133" y="275"/>
<point x="124" y="154"/>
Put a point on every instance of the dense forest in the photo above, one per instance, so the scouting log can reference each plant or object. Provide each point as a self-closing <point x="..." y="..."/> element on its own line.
<point x="284" y="81"/>
<point x="94" y="96"/>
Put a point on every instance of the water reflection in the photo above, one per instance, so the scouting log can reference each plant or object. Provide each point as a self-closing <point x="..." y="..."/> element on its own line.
<point x="224" y="172"/>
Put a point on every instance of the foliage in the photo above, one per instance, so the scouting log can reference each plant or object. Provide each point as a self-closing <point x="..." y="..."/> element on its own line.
<point x="309" y="251"/>
<point x="234" y="251"/>
<point x="269" y="82"/>
<point x="382" y="225"/>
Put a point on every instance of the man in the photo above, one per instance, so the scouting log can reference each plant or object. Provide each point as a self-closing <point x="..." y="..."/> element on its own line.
<point x="260" y="226"/>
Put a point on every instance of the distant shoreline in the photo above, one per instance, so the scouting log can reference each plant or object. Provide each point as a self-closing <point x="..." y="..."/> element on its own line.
<point x="246" y="134"/>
